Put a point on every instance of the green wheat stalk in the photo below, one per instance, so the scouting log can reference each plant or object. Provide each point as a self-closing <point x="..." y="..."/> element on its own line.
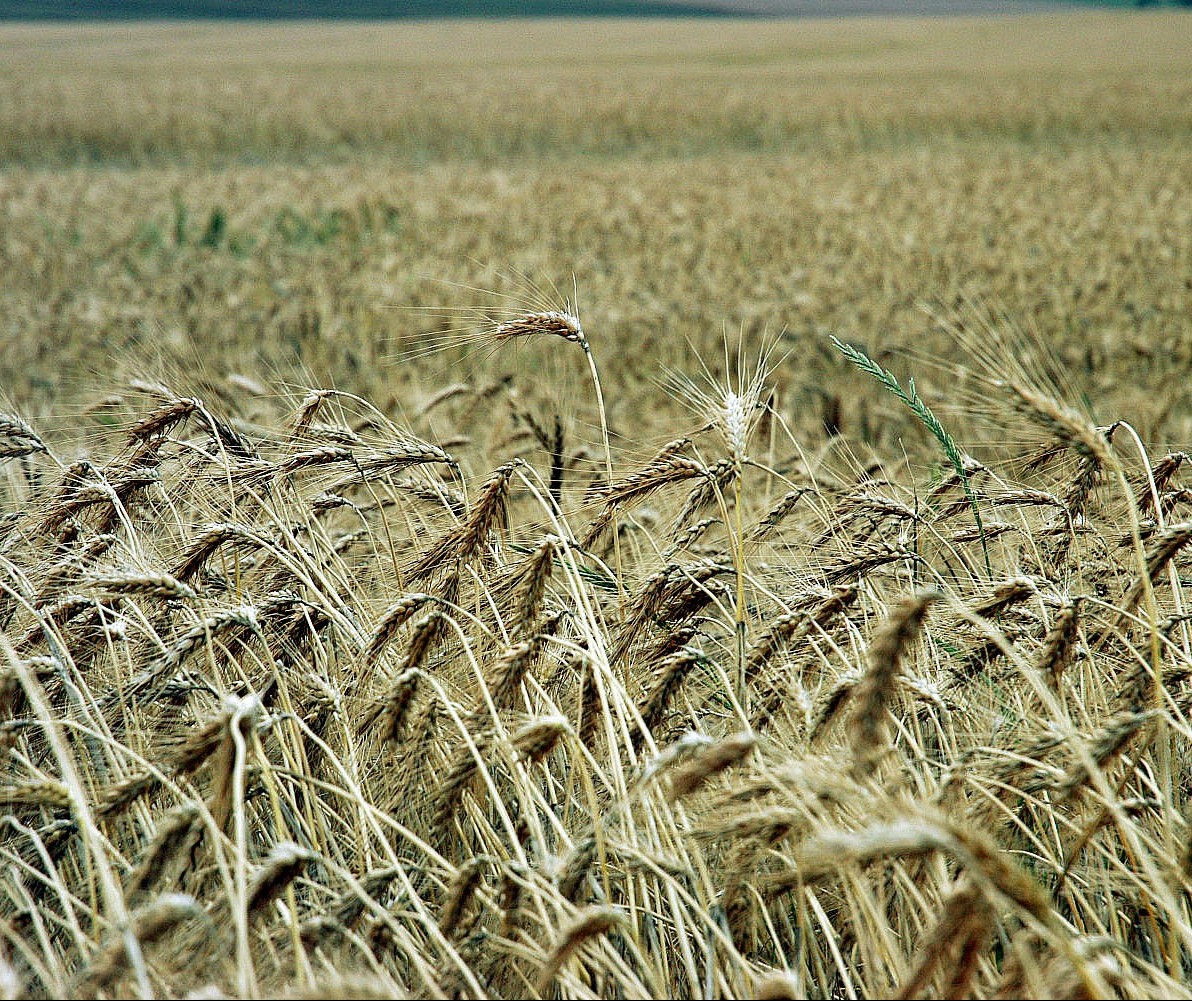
<point x="910" y="396"/>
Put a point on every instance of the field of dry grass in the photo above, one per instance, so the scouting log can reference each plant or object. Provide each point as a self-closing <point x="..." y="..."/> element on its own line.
<point x="573" y="510"/>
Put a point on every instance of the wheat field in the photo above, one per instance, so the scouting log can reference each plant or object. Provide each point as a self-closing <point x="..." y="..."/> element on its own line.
<point x="596" y="509"/>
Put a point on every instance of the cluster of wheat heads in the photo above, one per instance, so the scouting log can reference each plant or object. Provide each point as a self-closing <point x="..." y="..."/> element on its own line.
<point x="312" y="708"/>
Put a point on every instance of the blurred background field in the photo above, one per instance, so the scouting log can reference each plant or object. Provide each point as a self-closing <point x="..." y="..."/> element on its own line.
<point x="272" y="198"/>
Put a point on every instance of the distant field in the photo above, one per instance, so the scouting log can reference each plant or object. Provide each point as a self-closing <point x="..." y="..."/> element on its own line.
<point x="597" y="508"/>
<point x="411" y="9"/>
<point x="806" y="176"/>
<point x="517" y="92"/>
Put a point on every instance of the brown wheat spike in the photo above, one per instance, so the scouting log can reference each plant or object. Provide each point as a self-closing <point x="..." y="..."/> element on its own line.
<point x="1074" y="430"/>
<point x="344" y="542"/>
<point x="222" y="624"/>
<point x="961" y="931"/>
<point x="768" y="826"/>
<point x="323" y="456"/>
<point x="150" y="585"/>
<point x="1161" y="473"/>
<point x="950" y="482"/>
<point x="793" y="626"/>
<point x="327" y="501"/>
<point x="576" y="867"/>
<point x="20" y="448"/>
<point x="229" y="439"/>
<point x="555" y="323"/>
<point x="1022" y="769"/>
<point x="382" y="462"/>
<point x="757" y="832"/>
<point x="981" y="854"/>
<point x="253" y="474"/>
<point x="73" y="550"/>
<point x="200" y="745"/>
<point x="883" y="507"/>
<point x="13" y="700"/>
<point x="468" y="540"/>
<point x="311" y="404"/>
<point x="718" y="477"/>
<point x="668" y="676"/>
<point x="1110" y="742"/>
<point x="441" y="396"/>
<point x="669" y="465"/>
<point x="688" y="537"/>
<point x="116" y="798"/>
<point x="513" y="880"/>
<point x="25" y="441"/>
<point x="915" y="836"/>
<point x="588" y="924"/>
<point x="391" y="622"/>
<point x="525" y="417"/>
<point x="864" y="560"/>
<point x="1172" y="499"/>
<point x="972" y="947"/>
<point x="1137" y="692"/>
<point x="294" y="623"/>
<point x="533" y="577"/>
<point x="511" y="668"/>
<point x="78" y="499"/>
<point x="779" y="985"/>
<point x="349" y="908"/>
<point x="210" y="539"/>
<point x="833" y="701"/>
<point x="867" y="730"/>
<point x="242" y="715"/>
<point x="667" y="597"/>
<point x="1003" y="595"/>
<point x="460" y="772"/>
<point x="538" y="738"/>
<point x="711" y="762"/>
<point x="426" y="632"/>
<point x="144" y="457"/>
<point x="1076" y="496"/>
<point x="56" y="616"/>
<point x="637" y="487"/>
<point x="150" y="924"/>
<point x="284" y="864"/>
<point x="826" y="854"/>
<point x="397" y="706"/>
<point x="693" y="592"/>
<point x="989" y="530"/>
<point x="1059" y="643"/>
<point x="48" y="793"/>
<point x="644" y="607"/>
<point x="588" y="701"/>
<point x="169" y="840"/>
<point x="151" y="387"/>
<point x="74" y="476"/>
<point x="334" y="434"/>
<point x="777" y="514"/>
<point x="1161" y="552"/>
<point x="1026" y="498"/>
<point x="124" y="491"/>
<point x="460" y="893"/>
<point x="436" y="493"/>
<point x="164" y="418"/>
<point x="669" y="642"/>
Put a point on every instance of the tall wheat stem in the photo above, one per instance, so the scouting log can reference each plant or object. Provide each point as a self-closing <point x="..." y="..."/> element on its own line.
<point x="608" y="457"/>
